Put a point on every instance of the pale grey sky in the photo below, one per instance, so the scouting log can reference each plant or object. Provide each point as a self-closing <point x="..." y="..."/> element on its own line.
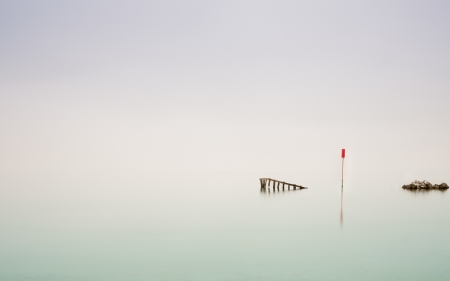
<point x="224" y="86"/>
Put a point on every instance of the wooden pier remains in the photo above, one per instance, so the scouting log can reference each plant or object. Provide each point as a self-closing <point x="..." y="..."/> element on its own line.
<point x="265" y="183"/>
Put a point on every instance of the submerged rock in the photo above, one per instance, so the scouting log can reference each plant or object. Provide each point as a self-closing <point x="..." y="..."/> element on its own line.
<point x="424" y="185"/>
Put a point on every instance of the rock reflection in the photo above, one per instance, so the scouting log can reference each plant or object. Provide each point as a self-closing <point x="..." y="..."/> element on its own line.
<point x="423" y="191"/>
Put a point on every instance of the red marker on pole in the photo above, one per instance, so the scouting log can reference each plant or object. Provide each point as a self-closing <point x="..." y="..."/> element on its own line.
<point x="343" y="156"/>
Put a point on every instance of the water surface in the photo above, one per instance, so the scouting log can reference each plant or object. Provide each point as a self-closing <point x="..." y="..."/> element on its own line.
<point x="221" y="227"/>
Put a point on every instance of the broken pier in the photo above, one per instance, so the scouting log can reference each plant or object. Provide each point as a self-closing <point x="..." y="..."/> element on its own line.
<point x="265" y="183"/>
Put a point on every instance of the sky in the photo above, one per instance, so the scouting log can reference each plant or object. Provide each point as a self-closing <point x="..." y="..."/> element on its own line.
<point x="224" y="86"/>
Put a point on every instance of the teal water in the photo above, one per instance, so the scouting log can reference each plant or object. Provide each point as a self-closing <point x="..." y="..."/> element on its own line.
<point x="220" y="227"/>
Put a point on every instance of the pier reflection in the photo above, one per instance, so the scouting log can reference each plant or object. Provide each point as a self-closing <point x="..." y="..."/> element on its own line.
<point x="268" y="191"/>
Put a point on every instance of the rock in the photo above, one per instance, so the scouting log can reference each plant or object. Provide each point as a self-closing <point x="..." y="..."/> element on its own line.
<point x="424" y="185"/>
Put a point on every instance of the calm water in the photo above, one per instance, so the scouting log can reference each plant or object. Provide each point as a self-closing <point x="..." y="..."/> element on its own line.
<point x="220" y="227"/>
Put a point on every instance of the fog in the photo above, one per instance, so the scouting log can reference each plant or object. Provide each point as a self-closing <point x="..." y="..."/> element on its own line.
<point x="224" y="87"/>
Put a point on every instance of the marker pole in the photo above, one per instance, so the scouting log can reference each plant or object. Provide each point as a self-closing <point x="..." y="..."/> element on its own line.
<point x="343" y="156"/>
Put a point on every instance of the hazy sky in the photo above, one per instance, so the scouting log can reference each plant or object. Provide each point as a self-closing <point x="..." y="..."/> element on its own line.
<point x="224" y="86"/>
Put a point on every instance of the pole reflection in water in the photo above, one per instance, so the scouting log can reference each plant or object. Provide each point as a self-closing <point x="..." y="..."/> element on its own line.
<point x="342" y="201"/>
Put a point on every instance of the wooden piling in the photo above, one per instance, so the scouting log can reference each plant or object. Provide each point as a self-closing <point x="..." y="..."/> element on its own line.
<point x="265" y="184"/>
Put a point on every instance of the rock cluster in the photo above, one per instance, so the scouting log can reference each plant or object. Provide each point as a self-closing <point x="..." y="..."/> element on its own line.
<point x="424" y="185"/>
